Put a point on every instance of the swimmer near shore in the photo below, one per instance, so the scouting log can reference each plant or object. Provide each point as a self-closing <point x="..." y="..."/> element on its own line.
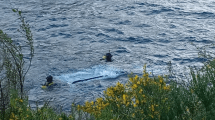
<point x="48" y="83"/>
<point x="107" y="57"/>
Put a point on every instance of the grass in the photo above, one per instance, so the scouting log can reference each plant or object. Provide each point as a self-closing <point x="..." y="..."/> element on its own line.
<point x="140" y="98"/>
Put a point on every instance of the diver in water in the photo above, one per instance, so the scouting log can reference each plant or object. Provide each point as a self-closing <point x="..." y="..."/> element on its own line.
<point x="49" y="83"/>
<point x="107" y="57"/>
<point x="49" y="80"/>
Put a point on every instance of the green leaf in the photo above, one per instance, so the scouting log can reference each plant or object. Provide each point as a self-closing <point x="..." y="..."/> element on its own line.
<point x="20" y="12"/>
<point x="20" y="56"/>
<point x="14" y="10"/>
<point x="10" y="41"/>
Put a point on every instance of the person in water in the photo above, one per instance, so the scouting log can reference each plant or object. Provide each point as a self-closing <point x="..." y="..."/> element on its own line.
<point x="49" y="80"/>
<point x="107" y="57"/>
<point x="49" y="83"/>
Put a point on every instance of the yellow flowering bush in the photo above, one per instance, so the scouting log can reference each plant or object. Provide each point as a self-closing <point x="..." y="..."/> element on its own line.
<point x="139" y="95"/>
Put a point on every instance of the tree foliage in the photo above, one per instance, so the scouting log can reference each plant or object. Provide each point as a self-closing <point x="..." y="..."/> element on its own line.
<point x="12" y="65"/>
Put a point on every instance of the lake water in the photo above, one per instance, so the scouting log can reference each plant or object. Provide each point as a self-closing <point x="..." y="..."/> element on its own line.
<point x="71" y="36"/>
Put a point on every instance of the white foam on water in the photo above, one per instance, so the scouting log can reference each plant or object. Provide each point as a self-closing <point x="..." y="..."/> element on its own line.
<point x="96" y="71"/>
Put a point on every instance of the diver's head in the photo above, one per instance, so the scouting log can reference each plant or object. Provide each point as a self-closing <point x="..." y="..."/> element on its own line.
<point x="49" y="79"/>
<point x="107" y="57"/>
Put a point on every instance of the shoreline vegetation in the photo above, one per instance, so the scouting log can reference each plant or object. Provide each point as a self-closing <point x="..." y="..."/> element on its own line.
<point x="140" y="98"/>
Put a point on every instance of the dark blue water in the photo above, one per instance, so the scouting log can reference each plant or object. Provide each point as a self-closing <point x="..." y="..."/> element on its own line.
<point x="72" y="36"/>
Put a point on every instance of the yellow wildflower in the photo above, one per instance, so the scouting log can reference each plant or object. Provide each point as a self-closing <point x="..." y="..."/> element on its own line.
<point x="168" y="87"/>
<point x="137" y="101"/>
<point x="118" y="83"/>
<point x="131" y="79"/>
<point x="153" y="109"/>
<point x="127" y="103"/>
<point x="165" y="88"/>
<point x="21" y="100"/>
<point x="117" y="99"/>
<point x="136" y="77"/>
<point x="134" y="86"/>
<point x="124" y="98"/>
<point x="161" y="81"/>
<point x="60" y="118"/>
<point x="135" y="105"/>
<point x="141" y="90"/>
<point x="155" y="83"/>
<point x="141" y="79"/>
<point x="92" y="102"/>
<point x="87" y="103"/>
<point x="138" y="82"/>
<point x="12" y="115"/>
<point x="98" y="107"/>
<point x="78" y="107"/>
<point x="133" y="114"/>
<point x="109" y="92"/>
<point x="99" y="100"/>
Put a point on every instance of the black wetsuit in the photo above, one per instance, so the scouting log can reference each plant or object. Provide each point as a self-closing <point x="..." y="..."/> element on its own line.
<point x="49" y="80"/>
<point x="108" y="57"/>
